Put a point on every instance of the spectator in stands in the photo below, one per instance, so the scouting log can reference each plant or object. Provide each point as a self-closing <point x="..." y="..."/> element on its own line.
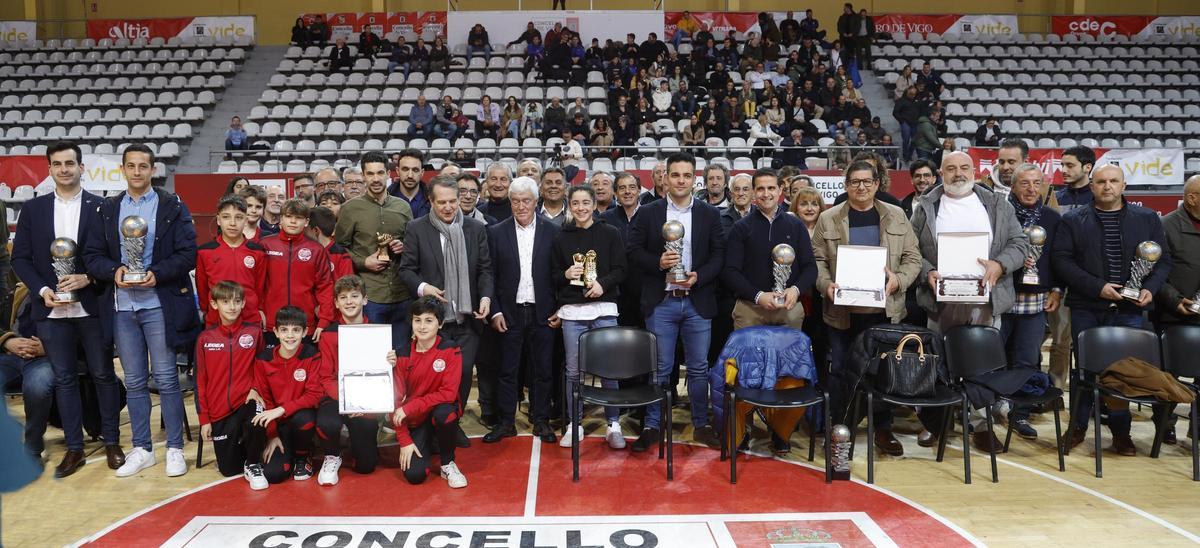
<point x="439" y="55"/>
<point x="235" y="136"/>
<point x="535" y="54"/>
<point x="693" y="135"/>
<point x="686" y="27"/>
<point x="530" y="33"/>
<point x="846" y="27"/>
<point x="593" y="58"/>
<point x="908" y="112"/>
<point x="420" y="56"/>
<point x="569" y="154"/>
<point x="810" y="27"/>
<point x="708" y="116"/>
<point x="421" y="119"/>
<point x="531" y="168"/>
<point x="554" y="36"/>
<point x="487" y="119"/>
<point x="904" y="81"/>
<point x="580" y="108"/>
<point x="408" y="185"/>
<point x="445" y="124"/>
<point x="400" y="56"/>
<point x="789" y="30"/>
<point x="624" y="136"/>
<point x="924" y="177"/>
<point x="511" y="118"/>
<point x="771" y="53"/>
<point x="578" y="128"/>
<point x="864" y="30"/>
<point x="752" y="52"/>
<point x="792" y="150"/>
<point x="368" y="43"/>
<point x="300" y="33"/>
<point x="478" y="41"/>
<point x="1076" y="165"/>
<point x="988" y="135"/>
<point x="643" y="116"/>
<point x="318" y="31"/>
<point x="927" y="142"/>
<point x="555" y="118"/>
<point x="855" y="131"/>
<point x="837" y="55"/>
<point x="460" y="157"/>
<point x="933" y="81"/>
<point x="651" y="51"/>
<point x="601" y="139"/>
<point x="887" y="151"/>
<point x="577" y="51"/>
<point x="340" y="56"/>
<point x="875" y="131"/>
<point x="662" y="100"/>
<point x="838" y="155"/>
<point x="451" y="167"/>
<point x="684" y="100"/>
<point x="532" y="121"/>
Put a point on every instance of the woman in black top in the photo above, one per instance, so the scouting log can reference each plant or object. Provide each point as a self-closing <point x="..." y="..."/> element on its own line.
<point x="300" y="33"/>
<point x="439" y="56"/>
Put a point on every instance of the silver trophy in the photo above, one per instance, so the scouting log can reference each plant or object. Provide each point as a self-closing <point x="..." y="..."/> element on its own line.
<point x="1195" y="306"/>
<point x="62" y="258"/>
<point x="672" y="232"/>
<point x="1037" y="239"/>
<point x="783" y="256"/>
<point x="840" y="458"/>
<point x="133" y="241"/>
<point x="1148" y="253"/>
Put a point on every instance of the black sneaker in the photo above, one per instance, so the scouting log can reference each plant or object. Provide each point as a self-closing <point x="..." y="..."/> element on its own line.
<point x="544" y="432"/>
<point x="707" y="435"/>
<point x="301" y="469"/>
<point x="648" y="439"/>
<point x="1024" y="429"/>
<point x="500" y="432"/>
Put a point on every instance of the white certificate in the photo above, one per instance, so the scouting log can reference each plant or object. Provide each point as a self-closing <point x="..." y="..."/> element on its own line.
<point x="861" y="277"/>
<point x="364" y="375"/>
<point x="958" y="265"/>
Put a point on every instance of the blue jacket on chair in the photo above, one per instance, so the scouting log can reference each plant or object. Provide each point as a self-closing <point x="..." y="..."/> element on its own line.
<point x="763" y="354"/>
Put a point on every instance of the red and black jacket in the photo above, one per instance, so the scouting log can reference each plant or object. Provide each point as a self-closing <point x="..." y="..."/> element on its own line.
<point x="298" y="274"/>
<point x="340" y="262"/>
<point x="291" y="383"/>
<point x="245" y="264"/>
<point x="225" y="357"/>
<point x="424" y="380"/>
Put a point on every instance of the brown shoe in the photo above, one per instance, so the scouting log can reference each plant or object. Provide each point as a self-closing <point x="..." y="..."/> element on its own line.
<point x="72" y="461"/>
<point x="116" y="457"/>
<point x="1123" y="445"/>
<point x="986" y="441"/>
<point x="1075" y="436"/>
<point x="887" y="444"/>
<point x="927" y="439"/>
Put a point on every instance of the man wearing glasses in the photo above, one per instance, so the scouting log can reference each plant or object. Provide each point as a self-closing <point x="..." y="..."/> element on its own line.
<point x="468" y="199"/>
<point x="924" y="177"/>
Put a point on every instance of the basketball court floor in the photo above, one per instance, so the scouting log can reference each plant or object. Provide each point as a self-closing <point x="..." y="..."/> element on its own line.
<point x="521" y="494"/>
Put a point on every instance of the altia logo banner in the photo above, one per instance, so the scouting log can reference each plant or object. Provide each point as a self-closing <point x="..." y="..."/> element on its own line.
<point x="177" y="27"/>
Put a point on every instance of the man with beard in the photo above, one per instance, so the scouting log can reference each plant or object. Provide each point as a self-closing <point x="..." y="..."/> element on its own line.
<point x="269" y="223"/>
<point x="924" y="177"/>
<point x="1013" y="152"/>
<point x="716" y="178"/>
<point x="407" y="185"/>
<point x="302" y="188"/>
<point x="959" y="205"/>
<point x="1076" y="165"/>
<point x="498" y="177"/>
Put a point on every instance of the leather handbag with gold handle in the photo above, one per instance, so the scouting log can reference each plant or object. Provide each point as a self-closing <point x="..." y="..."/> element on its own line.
<point x="906" y="373"/>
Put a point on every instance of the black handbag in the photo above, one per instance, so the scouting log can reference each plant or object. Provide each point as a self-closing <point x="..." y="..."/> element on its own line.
<point x="907" y="373"/>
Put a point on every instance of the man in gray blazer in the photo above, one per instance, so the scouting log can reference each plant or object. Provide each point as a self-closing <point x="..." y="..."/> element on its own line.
<point x="447" y="256"/>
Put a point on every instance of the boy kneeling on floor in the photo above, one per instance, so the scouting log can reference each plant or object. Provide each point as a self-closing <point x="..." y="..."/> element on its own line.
<point x="288" y="381"/>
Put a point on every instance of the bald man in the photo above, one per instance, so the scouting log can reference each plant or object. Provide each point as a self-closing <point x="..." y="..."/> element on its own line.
<point x="1092" y="253"/>
<point x="659" y="176"/>
<point x="1182" y="228"/>
<point x="327" y="179"/>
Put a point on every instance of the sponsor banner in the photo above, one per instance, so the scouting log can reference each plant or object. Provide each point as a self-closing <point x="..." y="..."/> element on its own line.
<point x="177" y="27"/>
<point x="18" y="31"/>
<point x="348" y="25"/>
<point x="506" y="26"/>
<point x="1049" y="159"/>
<point x="1178" y="27"/>
<point x="100" y="172"/>
<point x="899" y="24"/>
<point x="717" y="21"/>
<point x="1150" y="166"/>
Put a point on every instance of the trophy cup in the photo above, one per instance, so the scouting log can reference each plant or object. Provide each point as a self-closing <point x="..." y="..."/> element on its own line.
<point x="672" y="232"/>
<point x="383" y="244"/>
<point x="1148" y="253"/>
<point x="133" y="240"/>
<point x="1037" y="239"/>
<point x="578" y="259"/>
<point x="62" y="257"/>
<point x="840" y="459"/>
<point x="783" y="256"/>
<point x="1195" y="306"/>
<point x="589" y="268"/>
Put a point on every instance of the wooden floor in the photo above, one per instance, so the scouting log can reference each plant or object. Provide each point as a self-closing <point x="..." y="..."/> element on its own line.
<point x="1139" y="502"/>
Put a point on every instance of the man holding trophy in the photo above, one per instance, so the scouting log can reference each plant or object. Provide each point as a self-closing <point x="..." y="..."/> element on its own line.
<point x="48" y="258"/>
<point x="1111" y="257"/>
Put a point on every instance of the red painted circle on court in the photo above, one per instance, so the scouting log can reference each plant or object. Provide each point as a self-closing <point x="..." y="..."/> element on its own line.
<point x="774" y="503"/>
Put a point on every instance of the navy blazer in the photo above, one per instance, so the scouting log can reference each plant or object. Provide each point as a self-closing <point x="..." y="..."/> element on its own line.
<point x="506" y="267"/>
<point x="708" y="254"/>
<point x="174" y="259"/>
<point x="31" y="251"/>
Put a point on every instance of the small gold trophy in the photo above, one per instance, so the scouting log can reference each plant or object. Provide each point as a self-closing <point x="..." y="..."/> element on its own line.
<point x="589" y="268"/>
<point x="383" y="246"/>
<point x="579" y="260"/>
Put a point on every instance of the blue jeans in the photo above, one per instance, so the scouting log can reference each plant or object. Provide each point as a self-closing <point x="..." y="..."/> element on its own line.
<point x="908" y="134"/>
<point x="514" y="129"/>
<point x="486" y="49"/>
<point x="572" y="330"/>
<point x="142" y="345"/>
<point x="424" y="132"/>
<point x="63" y="339"/>
<point x="679" y="34"/>
<point x="396" y="312"/>
<point x="1119" y="421"/>
<point x="672" y="319"/>
<point x="1023" y="335"/>
<point x="443" y="131"/>
<point x="37" y="393"/>
<point x="406" y="66"/>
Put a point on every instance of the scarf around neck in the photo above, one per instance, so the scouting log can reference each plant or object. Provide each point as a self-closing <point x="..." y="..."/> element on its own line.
<point x="1028" y="216"/>
<point x="455" y="266"/>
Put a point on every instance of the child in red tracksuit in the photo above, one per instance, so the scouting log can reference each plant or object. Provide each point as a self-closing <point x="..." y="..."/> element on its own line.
<point x="287" y="380"/>
<point x="232" y="257"/>
<point x="225" y="398"/>
<point x="298" y="271"/>
<point x="427" y="373"/>
<point x="350" y="300"/>
<point x="321" y="222"/>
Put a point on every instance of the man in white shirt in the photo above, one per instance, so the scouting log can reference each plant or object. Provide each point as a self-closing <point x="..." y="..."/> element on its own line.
<point x="569" y="155"/>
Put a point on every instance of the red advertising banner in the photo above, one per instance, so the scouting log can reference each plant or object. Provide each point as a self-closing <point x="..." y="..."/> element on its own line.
<point x="1049" y="159"/>
<point x="716" y="21"/>
<point x="382" y="23"/>
<point x="177" y="27"/>
<point x="900" y="24"/>
<point x="1098" y="25"/>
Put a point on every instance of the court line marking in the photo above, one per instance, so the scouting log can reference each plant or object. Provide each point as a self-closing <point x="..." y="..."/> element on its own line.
<point x="531" y="485"/>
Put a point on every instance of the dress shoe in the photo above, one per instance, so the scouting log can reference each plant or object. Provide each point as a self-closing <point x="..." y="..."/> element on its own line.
<point x="72" y="461"/>
<point x="927" y="439"/>
<point x="1075" y="436"/>
<point x="1170" y="438"/>
<point x="648" y="439"/>
<point x="887" y="444"/>
<point x="986" y="441"/>
<point x="461" y="440"/>
<point x="500" y="432"/>
<point x="544" y="432"/>
<point x="1123" y="445"/>
<point x="116" y="457"/>
<point x="707" y="435"/>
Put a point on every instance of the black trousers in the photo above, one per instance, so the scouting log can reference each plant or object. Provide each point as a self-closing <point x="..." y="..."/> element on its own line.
<point x="525" y="332"/>
<point x="442" y="424"/>
<point x="364" y="431"/>
<point x="296" y="433"/>
<point x="236" y="442"/>
<point x="467" y="338"/>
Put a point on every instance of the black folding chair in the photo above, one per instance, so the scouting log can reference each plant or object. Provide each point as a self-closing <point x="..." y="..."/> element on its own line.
<point x="804" y="396"/>
<point x="1178" y="344"/>
<point x="618" y="353"/>
<point x="1098" y="348"/>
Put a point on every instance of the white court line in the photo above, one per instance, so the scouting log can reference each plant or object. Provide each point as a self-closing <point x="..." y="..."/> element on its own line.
<point x="143" y="511"/>
<point x="535" y="461"/>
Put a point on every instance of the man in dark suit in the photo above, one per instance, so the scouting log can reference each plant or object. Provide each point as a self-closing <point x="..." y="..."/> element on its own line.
<point x="685" y="309"/>
<point x="521" y="248"/>
<point x="446" y="255"/>
<point x="65" y="328"/>
<point x="340" y="56"/>
<point x="628" y="189"/>
<point x="154" y="316"/>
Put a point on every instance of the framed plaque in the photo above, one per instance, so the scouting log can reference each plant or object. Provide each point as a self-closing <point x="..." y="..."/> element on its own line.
<point x="861" y="276"/>
<point x="958" y="259"/>
<point x="364" y="375"/>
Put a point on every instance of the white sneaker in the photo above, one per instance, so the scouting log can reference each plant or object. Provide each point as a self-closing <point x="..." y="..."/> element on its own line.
<point x="137" y="460"/>
<point x="176" y="463"/>
<point x="453" y="476"/>
<point x="566" y="439"/>
<point x="254" y="474"/>
<point x="329" y="470"/>
<point x="616" y="439"/>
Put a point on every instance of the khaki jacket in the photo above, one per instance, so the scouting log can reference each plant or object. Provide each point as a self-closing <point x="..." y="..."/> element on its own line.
<point x="896" y="234"/>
